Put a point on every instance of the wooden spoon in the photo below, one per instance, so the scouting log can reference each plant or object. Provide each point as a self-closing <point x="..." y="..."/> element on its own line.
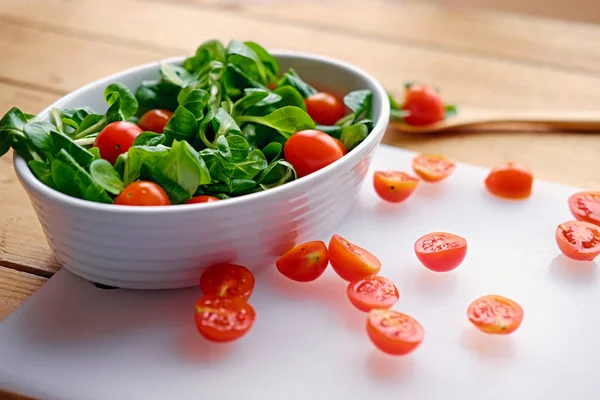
<point x="509" y="120"/>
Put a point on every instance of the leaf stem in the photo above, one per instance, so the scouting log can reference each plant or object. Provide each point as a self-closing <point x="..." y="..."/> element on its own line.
<point x="92" y="129"/>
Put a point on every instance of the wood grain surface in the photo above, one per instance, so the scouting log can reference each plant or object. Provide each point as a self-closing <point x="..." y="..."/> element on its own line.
<point x="478" y="58"/>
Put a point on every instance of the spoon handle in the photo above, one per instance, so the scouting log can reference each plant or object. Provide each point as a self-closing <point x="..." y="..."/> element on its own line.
<point x="567" y="120"/>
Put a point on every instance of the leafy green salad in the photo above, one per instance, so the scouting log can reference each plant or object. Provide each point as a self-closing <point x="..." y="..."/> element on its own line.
<point x="224" y="123"/>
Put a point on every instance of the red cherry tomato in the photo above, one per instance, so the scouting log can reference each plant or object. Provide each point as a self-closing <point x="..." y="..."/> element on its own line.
<point x="585" y="206"/>
<point x="423" y="104"/>
<point x="393" y="332"/>
<point x="394" y="186"/>
<point x="579" y="240"/>
<point x="143" y="193"/>
<point x="304" y="263"/>
<point x="433" y="168"/>
<point x="350" y="261"/>
<point x="223" y="319"/>
<point x="372" y="292"/>
<point x="341" y="146"/>
<point x="155" y="120"/>
<point x="441" y="251"/>
<point x="510" y="181"/>
<point x="272" y="86"/>
<point x="309" y="151"/>
<point x="115" y="139"/>
<point x="229" y="280"/>
<point x="324" y="108"/>
<point x="495" y="314"/>
<point x="202" y="199"/>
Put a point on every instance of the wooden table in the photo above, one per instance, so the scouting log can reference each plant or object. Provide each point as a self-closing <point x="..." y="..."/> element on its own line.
<point x="485" y="59"/>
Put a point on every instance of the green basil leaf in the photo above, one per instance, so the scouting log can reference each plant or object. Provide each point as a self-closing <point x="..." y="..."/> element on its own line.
<point x="70" y="178"/>
<point x="394" y="105"/>
<point x="38" y="134"/>
<point x="276" y="174"/>
<point x="251" y="97"/>
<point x="223" y="146"/>
<point x="450" y="110"/>
<point x="157" y="94"/>
<point x="292" y="78"/>
<point x="175" y="75"/>
<point x="286" y="120"/>
<point x="239" y="54"/>
<point x="353" y="135"/>
<point x="117" y="93"/>
<point x="224" y="124"/>
<point x="138" y="155"/>
<point x="219" y="168"/>
<point x="207" y="52"/>
<point x="119" y="164"/>
<point x="182" y="126"/>
<point x="176" y="193"/>
<point x="234" y="187"/>
<point x="149" y="139"/>
<point x="332" y="130"/>
<point x="15" y="120"/>
<point x="194" y="100"/>
<point x="184" y="166"/>
<point x="42" y="171"/>
<point x="359" y="101"/>
<point x="236" y="80"/>
<point x="5" y="142"/>
<point x="79" y="153"/>
<point x="95" y="152"/>
<point x="290" y="97"/>
<point x="270" y="63"/>
<point x="105" y="176"/>
<point x="251" y="166"/>
<point x="238" y="148"/>
<point x="273" y="151"/>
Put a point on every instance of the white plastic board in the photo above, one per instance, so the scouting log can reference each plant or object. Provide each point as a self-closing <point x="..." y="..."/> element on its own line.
<point x="72" y="340"/>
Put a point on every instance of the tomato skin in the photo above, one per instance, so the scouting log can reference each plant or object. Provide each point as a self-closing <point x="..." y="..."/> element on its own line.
<point x="394" y="186"/>
<point x="324" y="108"/>
<point x="424" y="105"/>
<point x="578" y="240"/>
<point x="155" y="120"/>
<point x="143" y="193"/>
<point x="350" y="261"/>
<point x="433" y="167"/>
<point x="310" y="150"/>
<point x="304" y="263"/>
<point x="372" y="292"/>
<point x="441" y="251"/>
<point x="341" y="146"/>
<point x="496" y="315"/>
<point x="202" y="199"/>
<point x="394" y="333"/>
<point x="227" y="280"/>
<point x="115" y="139"/>
<point x="585" y="206"/>
<point x="510" y="181"/>
<point x="223" y="319"/>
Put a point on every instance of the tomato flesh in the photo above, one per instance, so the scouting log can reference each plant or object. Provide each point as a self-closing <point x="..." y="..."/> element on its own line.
<point x="433" y="167"/>
<point x="223" y="319"/>
<point x="324" y="108"/>
<point x="372" y="292"/>
<point x="585" y="206"/>
<point x="155" y="120"/>
<point x="578" y="240"/>
<point x="393" y="332"/>
<point x="229" y="280"/>
<point x="310" y="150"/>
<point x="350" y="261"/>
<point x="510" y="180"/>
<point x="115" y="139"/>
<point x="202" y="199"/>
<point x="495" y="314"/>
<point x="423" y="104"/>
<point x="394" y="186"/>
<point x="441" y="251"/>
<point x="304" y="263"/>
<point x="143" y="193"/>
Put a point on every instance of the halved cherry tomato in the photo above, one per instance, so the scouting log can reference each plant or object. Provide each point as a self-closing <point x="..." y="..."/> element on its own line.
<point x="394" y="186"/>
<point x="441" y="251"/>
<point x="432" y="167"/>
<point x="350" y="261"/>
<point x="393" y="332"/>
<point x="341" y="146"/>
<point x="423" y="104"/>
<point x="223" y="319"/>
<point x="510" y="180"/>
<point x="202" y="199"/>
<point x="585" y="206"/>
<point x="304" y="263"/>
<point x="229" y="280"/>
<point x="372" y="292"/>
<point x="143" y="193"/>
<point x="155" y="120"/>
<point x="324" y="108"/>
<point x="579" y="240"/>
<point x="309" y="151"/>
<point x="115" y="139"/>
<point x="495" y="314"/>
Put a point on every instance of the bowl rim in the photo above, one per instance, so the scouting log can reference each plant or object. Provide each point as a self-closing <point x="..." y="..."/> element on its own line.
<point x="27" y="177"/>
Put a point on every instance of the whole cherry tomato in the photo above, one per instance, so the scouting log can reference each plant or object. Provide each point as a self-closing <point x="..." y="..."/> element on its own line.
<point x="229" y="280"/>
<point x="143" y="193"/>
<point x="304" y="263"/>
<point x="372" y="292"/>
<point x="393" y="332"/>
<point x="579" y="240"/>
<point x="441" y="251"/>
<point x="510" y="180"/>
<point x="495" y="314"/>
<point x="223" y="319"/>
<point x="350" y="261"/>
<point x="423" y="104"/>
<point x="310" y="150"/>
<point x="433" y="167"/>
<point x="155" y="120"/>
<point x="324" y="108"/>
<point x="585" y="206"/>
<point x="394" y="186"/>
<point x="202" y="199"/>
<point x="115" y="139"/>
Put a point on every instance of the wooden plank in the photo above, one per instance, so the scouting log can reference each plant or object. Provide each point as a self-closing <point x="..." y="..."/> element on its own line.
<point x="24" y="98"/>
<point x="443" y="26"/>
<point x="15" y="287"/>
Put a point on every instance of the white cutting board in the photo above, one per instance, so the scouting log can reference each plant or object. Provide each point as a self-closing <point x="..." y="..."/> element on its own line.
<point x="72" y="340"/>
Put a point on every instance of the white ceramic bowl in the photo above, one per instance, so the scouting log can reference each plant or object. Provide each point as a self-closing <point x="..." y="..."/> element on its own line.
<point x="168" y="247"/>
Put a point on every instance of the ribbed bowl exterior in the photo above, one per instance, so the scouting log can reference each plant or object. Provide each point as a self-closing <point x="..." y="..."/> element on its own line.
<point x="168" y="247"/>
